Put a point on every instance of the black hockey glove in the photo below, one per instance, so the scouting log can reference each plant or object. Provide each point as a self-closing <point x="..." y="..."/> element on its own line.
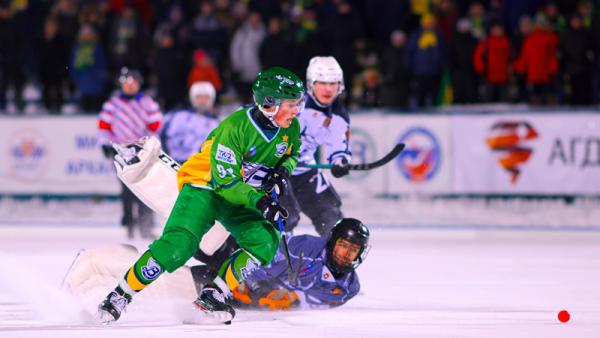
<point x="340" y="168"/>
<point x="271" y="210"/>
<point x="278" y="180"/>
<point x="108" y="151"/>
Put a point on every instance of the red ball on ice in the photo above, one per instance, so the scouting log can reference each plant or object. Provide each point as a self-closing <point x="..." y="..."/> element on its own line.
<point x="564" y="316"/>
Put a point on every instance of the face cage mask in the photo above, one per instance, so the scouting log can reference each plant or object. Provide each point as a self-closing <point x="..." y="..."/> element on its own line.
<point x="300" y="104"/>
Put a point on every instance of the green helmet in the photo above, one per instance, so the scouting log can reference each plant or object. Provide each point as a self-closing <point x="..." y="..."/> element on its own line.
<point x="275" y="85"/>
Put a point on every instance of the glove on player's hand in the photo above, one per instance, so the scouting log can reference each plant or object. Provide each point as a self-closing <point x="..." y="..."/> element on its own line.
<point x="340" y="168"/>
<point x="264" y="297"/>
<point x="277" y="179"/>
<point x="281" y="299"/>
<point x="108" y="151"/>
<point x="271" y="210"/>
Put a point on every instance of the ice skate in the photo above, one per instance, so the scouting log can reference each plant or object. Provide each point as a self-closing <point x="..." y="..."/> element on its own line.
<point x="112" y="307"/>
<point x="213" y="302"/>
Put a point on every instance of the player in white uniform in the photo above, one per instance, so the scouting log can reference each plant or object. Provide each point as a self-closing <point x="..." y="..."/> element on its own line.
<point x="184" y="131"/>
<point x="324" y="121"/>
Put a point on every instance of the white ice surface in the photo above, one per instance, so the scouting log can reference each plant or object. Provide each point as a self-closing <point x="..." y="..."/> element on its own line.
<point x="453" y="283"/>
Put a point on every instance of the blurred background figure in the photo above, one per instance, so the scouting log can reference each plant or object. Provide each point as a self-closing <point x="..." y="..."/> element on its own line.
<point x="53" y="65"/>
<point x="539" y="62"/>
<point x="578" y="55"/>
<point x="204" y="70"/>
<point x="170" y="67"/>
<point x="126" y="117"/>
<point x="12" y="57"/>
<point x="183" y="131"/>
<point x="425" y="59"/>
<point x="395" y="74"/>
<point x="524" y="29"/>
<point x="89" y="69"/>
<point x="464" y="77"/>
<point x="244" y="53"/>
<point x="492" y="60"/>
<point x="208" y="32"/>
<point x="128" y="41"/>
<point x="275" y="47"/>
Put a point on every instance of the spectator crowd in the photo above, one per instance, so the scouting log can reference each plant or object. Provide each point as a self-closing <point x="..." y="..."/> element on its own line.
<point x="394" y="53"/>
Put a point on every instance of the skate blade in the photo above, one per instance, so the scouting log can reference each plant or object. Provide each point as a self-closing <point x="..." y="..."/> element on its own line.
<point x="196" y="314"/>
<point x="103" y="317"/>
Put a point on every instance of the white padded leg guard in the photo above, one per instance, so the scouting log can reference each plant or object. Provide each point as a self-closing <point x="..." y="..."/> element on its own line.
<point x="94" y="272"/>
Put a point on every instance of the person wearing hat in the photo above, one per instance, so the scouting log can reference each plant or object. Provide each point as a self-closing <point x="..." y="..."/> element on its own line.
<point x="124" y="118"/>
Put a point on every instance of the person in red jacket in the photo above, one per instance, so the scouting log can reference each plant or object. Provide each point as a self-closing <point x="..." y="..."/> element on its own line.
<point x="204" y="70"/>
<point x="539" y="62"/>
<point x="492" y="60"/>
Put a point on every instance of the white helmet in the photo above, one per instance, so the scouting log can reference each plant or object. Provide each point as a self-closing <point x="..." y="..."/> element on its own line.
<point x="202" y="88"/>
<point x="324" y="69"/>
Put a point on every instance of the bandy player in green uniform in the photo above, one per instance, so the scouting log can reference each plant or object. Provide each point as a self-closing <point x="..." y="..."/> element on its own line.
<point x="228" y="181"/>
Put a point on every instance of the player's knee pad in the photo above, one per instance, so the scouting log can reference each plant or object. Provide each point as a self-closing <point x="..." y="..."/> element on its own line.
<point x="174" y="248"/>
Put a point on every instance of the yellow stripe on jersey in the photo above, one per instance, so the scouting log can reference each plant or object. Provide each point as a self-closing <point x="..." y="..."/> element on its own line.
<point x="196" y="170"/>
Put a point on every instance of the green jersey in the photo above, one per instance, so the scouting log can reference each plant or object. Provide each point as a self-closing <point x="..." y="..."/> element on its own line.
<point x="238" y="155"/>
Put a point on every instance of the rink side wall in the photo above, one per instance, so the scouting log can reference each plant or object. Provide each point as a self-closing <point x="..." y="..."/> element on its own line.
<point x="450" y="155"/>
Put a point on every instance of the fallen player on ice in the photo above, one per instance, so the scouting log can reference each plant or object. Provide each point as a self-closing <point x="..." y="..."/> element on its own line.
<point x="324" y="273"/>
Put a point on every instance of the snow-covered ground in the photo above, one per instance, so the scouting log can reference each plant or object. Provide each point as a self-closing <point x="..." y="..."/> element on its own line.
<point x="415" y="283"/>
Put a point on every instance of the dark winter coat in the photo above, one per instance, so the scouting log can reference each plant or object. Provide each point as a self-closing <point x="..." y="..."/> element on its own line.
<point x="275" y="51"/>
<point x="88" y="68"/>
<point x="577" y="51"/>
<point x="425" y="53"/>
<point x="395" y="76"/>
<point x="53" y="57"/>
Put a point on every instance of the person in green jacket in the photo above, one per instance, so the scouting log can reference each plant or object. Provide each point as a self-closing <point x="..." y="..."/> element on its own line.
<point x="241" y="162"/>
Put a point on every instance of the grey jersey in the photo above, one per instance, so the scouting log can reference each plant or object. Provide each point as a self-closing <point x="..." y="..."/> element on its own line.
<point x="323" y="125"/>
<point x="184" y="131"/>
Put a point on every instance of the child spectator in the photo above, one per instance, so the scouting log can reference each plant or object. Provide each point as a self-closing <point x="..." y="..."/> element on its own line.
<point x="492" y="60"/>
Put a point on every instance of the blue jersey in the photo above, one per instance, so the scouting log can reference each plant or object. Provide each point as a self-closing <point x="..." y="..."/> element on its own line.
<point x="184" y="131"/>
<point x="316" y="286"/>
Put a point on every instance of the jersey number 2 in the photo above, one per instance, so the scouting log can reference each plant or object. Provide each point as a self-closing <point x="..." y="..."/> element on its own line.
<point x="322" y="184"/>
